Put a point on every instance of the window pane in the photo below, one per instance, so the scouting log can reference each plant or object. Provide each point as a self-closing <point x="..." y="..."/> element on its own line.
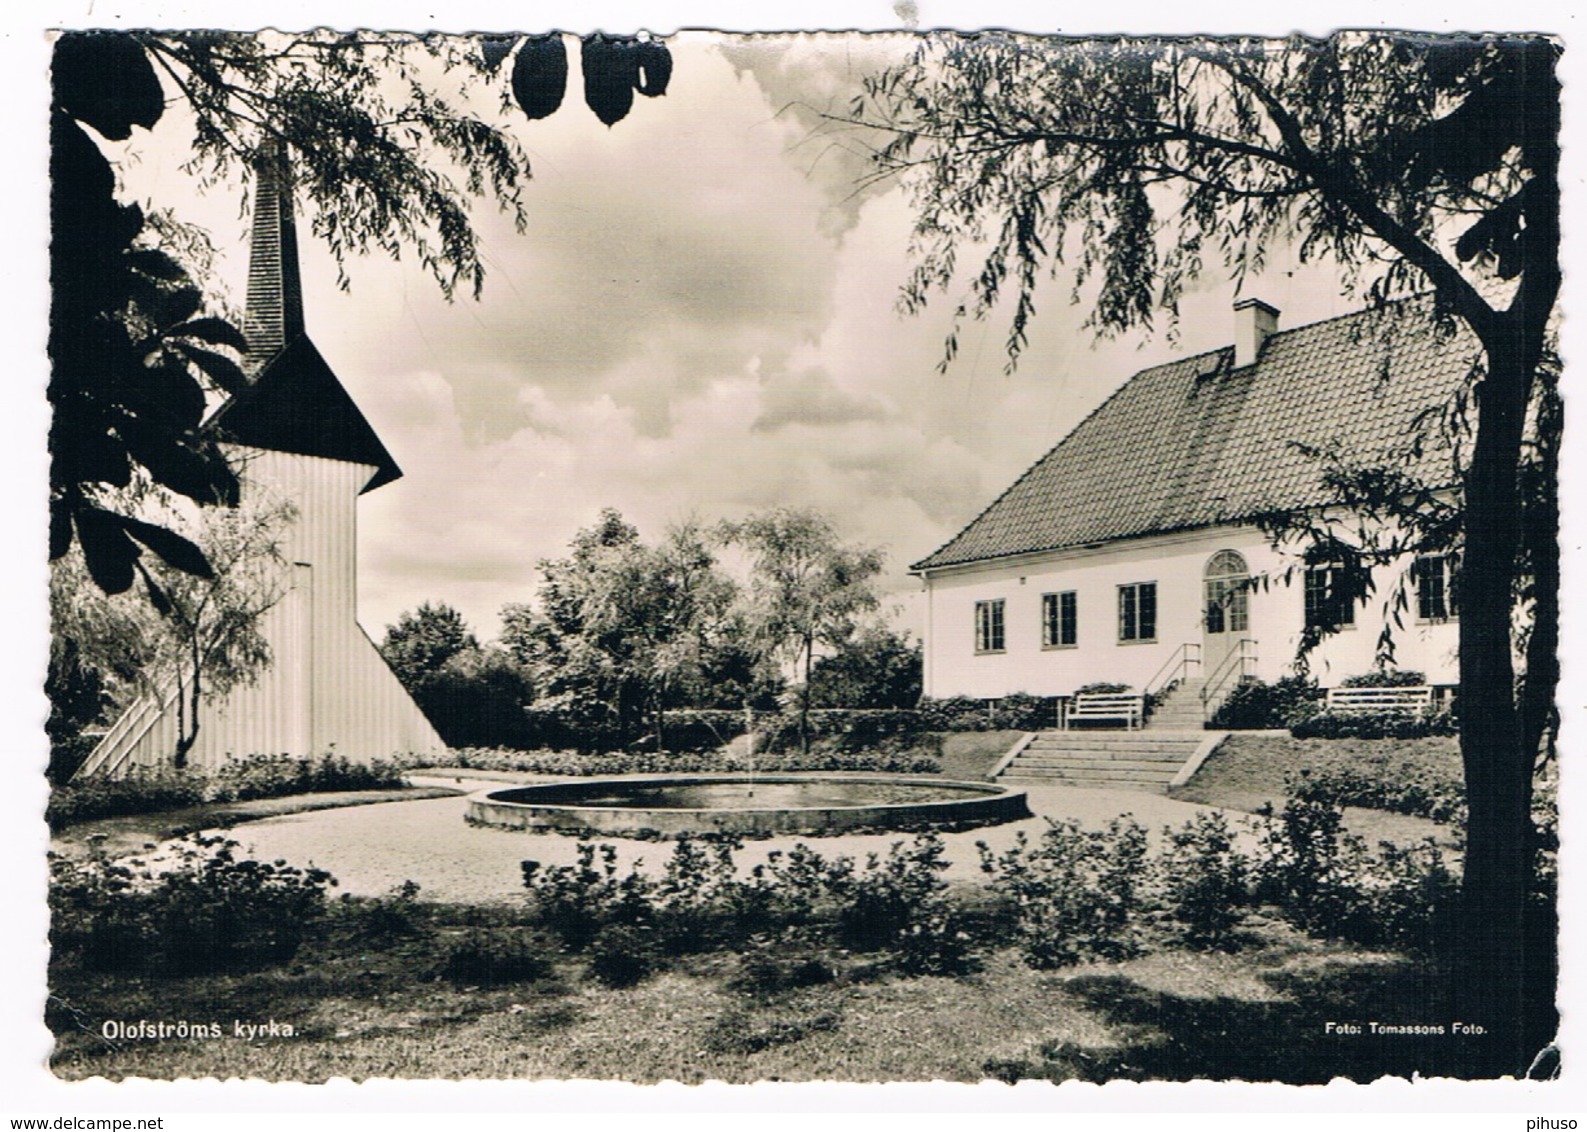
<point x="1148" y="611"/>
<point x="1126" y="613"/>
<point x="1216" y="591"/>
<point x="1069" y="629"/>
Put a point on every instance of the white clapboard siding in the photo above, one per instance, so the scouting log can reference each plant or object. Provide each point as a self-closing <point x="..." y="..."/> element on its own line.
<point x="327" y="687"/>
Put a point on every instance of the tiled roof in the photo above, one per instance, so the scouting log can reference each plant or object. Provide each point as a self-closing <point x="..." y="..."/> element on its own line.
<point x="1197" y="443"/>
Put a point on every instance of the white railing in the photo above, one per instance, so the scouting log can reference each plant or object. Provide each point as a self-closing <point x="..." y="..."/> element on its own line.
<point x="123" y="738"/>
<point x="1234" y="668"/>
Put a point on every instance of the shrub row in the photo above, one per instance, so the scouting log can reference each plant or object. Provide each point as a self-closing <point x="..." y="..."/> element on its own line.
<point x="916" y="758"/>
<point x="206" y="910"/>
<point x="627" y="921"/>
<point x="1371" y="725"/>
<point x="1019" y="711"/>
<point x="1261" y="706"/>
<point x="165" y="788"/>
<point x="1419" y="791"/>
<point x="1070" y="896"/>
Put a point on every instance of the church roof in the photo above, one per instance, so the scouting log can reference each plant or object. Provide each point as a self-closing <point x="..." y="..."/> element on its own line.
<point x="296" y="404"/>
<point x="1198" y="443"/>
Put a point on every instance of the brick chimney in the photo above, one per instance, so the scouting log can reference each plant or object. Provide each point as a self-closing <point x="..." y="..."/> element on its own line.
<point x="274" y="316"/>
<point x="1254" y="320"/>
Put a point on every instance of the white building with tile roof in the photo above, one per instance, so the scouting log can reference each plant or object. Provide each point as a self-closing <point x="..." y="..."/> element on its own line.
<point x="1131" y="552"/>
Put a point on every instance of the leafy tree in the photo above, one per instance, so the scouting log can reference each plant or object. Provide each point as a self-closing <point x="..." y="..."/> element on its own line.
<point x="473" y="694"/>
<point x="421" y="642"/>
<point x="622" y="628"/>
<point x="807" y="588"/>
<point x="1414" y="163"/>
<point x="383" y="152"/>
<point x="202" y="633"/>
<point x="878" y="667"/>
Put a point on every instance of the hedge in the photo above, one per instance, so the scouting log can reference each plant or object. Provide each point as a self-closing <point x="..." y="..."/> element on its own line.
<point x="165" y="788"/>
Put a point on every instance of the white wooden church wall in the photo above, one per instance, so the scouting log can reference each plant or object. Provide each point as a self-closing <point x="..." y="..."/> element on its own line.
<point x="327" y="689"/>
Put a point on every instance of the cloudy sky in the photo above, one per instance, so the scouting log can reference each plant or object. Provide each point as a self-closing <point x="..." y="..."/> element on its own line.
<point x="698" y="321"/>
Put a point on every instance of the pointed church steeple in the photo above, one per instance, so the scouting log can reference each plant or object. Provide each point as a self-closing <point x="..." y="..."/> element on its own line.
<point x="294" y="402"/>
<point x="275" y="288"/>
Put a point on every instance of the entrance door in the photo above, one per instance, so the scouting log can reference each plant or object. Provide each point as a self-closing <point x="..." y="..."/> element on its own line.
<point x="1226" y="609"/>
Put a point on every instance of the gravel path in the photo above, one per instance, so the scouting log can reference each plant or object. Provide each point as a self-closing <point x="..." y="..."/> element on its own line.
<point x="372" y="849"/>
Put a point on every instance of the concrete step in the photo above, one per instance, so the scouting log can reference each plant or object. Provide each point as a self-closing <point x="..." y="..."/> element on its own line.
<point x="1090" y="784"/>
<point x="1062" y="761"/>
<point x="1108" y="756"/>
<point x="1163" y="746"/>
<point x="1117" y="778"/>
<point x="1168" y="767"/>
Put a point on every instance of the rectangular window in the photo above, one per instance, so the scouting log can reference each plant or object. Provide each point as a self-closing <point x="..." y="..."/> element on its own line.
<point x="1330" y="603"/>
<point x="1059" y="620"/>
<point x="1138" y="611"/>
<point x="1434" y="576"/>
<point x="989" y="626"/>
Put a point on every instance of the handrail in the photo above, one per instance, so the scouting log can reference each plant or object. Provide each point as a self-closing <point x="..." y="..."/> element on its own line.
<point x="1174" y="668"/>
<point x="1232" y="664"/>
<point x="117" y="744"/>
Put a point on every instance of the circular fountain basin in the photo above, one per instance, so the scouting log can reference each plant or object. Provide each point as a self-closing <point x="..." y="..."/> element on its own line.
<point x="811" y="804"/>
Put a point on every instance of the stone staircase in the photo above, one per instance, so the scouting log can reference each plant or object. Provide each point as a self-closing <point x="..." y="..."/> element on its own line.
<point x="1144" y="760"/>
<point x="1180" y="710"/>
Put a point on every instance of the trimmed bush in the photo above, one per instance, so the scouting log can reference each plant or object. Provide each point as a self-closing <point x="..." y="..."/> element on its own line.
<point x="1415" y="791"/>
<point x="1205" y="881"/>
<point x="898" y="903"/>
<point x="916" y="758"/>
<point x="275" y="776"/>
<point x="1101" y="688"/>
<point x="259" y="776"/>
<point x="1372" y="725"/>
<point x="1018" y="711"/>
<point x="143" y="791"/>
<point x="1385" y="678"/>
<point x="497" y="957"/>
<point x="1260" y="706"/>
<point x="1077" y="894"/>
<point x="622" y="955"/>
<point x="210" y="910"/>
<point x="846" y="729"/>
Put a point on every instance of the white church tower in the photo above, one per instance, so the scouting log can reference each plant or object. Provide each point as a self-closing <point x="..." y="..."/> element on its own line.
<point x="302" y="439"/>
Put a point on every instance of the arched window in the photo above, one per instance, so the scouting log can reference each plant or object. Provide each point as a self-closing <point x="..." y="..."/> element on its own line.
<point x="1227" y="587"/>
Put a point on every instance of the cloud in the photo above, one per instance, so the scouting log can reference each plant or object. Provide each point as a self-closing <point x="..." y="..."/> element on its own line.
<point x="811" y="399"/>
<point x="699" y="321"/>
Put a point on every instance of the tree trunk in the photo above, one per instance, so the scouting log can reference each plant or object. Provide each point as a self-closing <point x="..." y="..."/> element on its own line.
<point x="1491" y="952"/>
<point x="187" y="735"/>
<point x="804" y="698"/>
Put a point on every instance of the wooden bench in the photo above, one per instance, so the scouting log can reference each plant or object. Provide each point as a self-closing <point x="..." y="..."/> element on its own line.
<point x="1128" y="707"/>
<point x="1412" y="700"/>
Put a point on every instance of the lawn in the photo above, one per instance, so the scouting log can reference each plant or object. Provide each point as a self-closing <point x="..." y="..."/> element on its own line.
<point x="1250" y="771"/>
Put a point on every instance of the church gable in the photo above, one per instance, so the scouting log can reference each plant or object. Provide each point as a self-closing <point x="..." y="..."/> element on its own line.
<point x="296" y="404"/>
